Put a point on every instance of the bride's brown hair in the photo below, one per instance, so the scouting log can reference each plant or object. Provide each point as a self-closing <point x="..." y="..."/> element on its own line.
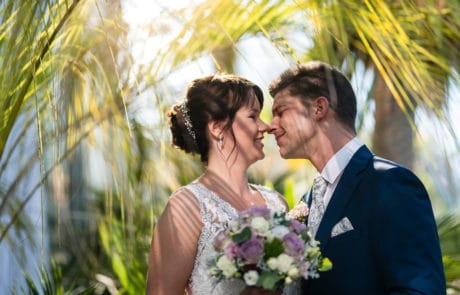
<point x="211" y="98"/>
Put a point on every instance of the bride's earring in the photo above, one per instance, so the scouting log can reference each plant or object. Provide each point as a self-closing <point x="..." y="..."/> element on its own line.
<point x="220" y="142"/>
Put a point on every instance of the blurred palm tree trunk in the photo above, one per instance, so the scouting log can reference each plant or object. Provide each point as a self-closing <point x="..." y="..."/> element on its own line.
<point x="393" y="134"/>
<point x="224" y="58"/>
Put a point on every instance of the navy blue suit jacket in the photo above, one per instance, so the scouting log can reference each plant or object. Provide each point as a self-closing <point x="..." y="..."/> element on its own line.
<point x="394" y="246"/>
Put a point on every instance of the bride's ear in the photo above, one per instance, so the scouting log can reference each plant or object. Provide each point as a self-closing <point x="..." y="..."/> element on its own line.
<point x="216" y="128"/>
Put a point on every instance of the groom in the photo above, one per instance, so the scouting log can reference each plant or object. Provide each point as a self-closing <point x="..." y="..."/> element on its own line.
<point x="372" y="217"/>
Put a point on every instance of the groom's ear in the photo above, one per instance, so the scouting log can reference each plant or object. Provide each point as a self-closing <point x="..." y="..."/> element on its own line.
<point x="320" y="107"/>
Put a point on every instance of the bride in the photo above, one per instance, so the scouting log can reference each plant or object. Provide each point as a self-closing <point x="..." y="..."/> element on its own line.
<point x="219" y="120"/>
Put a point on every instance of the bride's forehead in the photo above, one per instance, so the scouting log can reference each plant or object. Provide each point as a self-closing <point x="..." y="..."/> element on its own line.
<point x="251" y="106"/>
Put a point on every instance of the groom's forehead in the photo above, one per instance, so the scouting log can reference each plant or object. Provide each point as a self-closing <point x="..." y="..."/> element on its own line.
<point x="284" y="99"/>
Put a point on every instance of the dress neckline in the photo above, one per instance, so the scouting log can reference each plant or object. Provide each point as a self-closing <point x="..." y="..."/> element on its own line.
<point x="215" y="195"/>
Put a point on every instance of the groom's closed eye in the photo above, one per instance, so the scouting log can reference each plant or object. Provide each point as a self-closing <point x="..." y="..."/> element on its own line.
<point x="278" y="111"/>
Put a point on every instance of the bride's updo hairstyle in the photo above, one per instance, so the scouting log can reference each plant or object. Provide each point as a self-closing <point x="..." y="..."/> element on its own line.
<point x="211" y="98"/>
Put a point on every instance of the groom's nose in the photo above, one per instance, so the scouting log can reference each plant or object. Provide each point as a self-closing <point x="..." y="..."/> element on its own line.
<point x="272" y="126"/>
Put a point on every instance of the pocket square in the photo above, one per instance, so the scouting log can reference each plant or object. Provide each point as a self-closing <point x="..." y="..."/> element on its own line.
<point x="341" y="227"/>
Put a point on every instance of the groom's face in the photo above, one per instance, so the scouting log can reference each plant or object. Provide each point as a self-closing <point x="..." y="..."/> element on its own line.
<point x="292" y="125"/>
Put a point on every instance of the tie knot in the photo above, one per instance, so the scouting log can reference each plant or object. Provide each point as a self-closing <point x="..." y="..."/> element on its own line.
<point x="319" y="180"/>
<point x="319" y="186"/>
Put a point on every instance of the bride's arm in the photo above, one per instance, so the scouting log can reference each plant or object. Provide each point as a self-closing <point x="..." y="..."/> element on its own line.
<point x="174" y="245"/>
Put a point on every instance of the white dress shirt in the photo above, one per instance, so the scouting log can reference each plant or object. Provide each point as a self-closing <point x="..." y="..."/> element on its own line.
<point x="333" y="170"/>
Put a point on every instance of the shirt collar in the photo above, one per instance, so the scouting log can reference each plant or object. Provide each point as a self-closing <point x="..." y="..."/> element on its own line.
<point x="335" y="166"/>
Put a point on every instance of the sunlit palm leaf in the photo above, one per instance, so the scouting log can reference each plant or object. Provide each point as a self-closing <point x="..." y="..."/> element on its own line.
<point x="223" y="23"/>
<point x="397" y="38"/>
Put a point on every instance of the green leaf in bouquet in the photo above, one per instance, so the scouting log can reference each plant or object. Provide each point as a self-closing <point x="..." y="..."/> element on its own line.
<point x="273" y="249"/>
<point x="281" y="219"/>
<point x="242" y="237"/>
<point x="269" y="280"/>
<point x="285" y="222"/>
<point x="306" y="235"/>
<point x="326" y="265"/>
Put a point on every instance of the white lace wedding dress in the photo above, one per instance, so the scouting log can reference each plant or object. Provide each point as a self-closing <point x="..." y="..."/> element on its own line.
<point x="215" y="213"/>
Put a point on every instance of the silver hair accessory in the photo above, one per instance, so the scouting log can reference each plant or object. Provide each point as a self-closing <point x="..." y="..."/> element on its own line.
<point x="188" y="123"/>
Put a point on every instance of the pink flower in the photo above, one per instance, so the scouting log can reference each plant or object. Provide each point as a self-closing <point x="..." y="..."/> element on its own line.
<point x="251" y="250"/>
<point x="219" y="240"/>
<point x="299" y="212"/>
<point x="304" y="270"/>
<point x="231" y="250"/>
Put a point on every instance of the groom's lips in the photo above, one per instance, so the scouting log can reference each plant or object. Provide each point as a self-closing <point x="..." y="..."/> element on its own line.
<point x="277" y="137"/>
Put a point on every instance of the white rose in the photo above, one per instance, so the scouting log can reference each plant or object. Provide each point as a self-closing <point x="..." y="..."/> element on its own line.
<point x="251" y="277"/>
<point x="269" y="236"/>
<point x="272" y="263"/>
<point x="234" y="225"/>
<point x="259" y="224"/>
<point x="280" y="231"/>
<point x="293" y="273"/>
<point x="227" y="266"/>
<point x="284" y="262"/>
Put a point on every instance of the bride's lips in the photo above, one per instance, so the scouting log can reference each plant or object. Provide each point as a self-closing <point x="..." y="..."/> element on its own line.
<point x="259" y="143"/>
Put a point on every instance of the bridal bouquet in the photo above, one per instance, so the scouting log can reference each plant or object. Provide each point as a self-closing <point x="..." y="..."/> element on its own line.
<point x="267" y="249"/>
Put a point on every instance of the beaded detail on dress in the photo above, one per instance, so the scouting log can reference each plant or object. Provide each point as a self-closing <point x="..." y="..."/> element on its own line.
<point x="215" y="214"/>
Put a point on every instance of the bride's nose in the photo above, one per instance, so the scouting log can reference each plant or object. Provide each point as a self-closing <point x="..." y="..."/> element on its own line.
<point x="263" y="127"/>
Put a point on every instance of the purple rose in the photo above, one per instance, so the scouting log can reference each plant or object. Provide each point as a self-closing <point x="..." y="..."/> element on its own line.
<point x="251" y="250"/>
<point x="293" y="245"/>
<point x="298" y="226"/>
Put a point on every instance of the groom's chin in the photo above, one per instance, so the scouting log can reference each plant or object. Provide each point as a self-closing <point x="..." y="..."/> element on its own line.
<point x="287" y="155"/>
<point x="283" y="154"/>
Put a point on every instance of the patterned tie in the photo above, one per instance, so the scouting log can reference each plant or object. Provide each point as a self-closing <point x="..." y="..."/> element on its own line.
<point x="317" y="204"/>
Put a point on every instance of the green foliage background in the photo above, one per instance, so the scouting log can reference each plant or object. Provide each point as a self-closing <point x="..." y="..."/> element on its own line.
<point x="78" y="106"/>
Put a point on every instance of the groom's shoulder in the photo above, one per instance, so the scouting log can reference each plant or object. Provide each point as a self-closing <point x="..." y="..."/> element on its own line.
<point x="375" y="162"/>
<point x="390" y="168"/>
<point x="382" y="164"/>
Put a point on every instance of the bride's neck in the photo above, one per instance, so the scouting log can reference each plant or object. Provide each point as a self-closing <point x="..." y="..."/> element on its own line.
<point x="229" y="179"/>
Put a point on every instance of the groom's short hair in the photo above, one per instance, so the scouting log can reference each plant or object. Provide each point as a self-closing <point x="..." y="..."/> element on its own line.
<point x="314" y="79"/>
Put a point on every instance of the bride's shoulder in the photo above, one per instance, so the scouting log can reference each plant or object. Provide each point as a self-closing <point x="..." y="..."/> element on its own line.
<point x="183" y="197"/>
<point x="185" y="192"/>
<point x="182" y="207"/>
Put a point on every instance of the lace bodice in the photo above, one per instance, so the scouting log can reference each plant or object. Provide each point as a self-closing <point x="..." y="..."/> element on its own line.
<point x="215" y="213"/>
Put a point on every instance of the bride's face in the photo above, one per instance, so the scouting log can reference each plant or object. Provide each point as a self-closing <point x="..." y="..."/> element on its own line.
<point x="249" y="130"/>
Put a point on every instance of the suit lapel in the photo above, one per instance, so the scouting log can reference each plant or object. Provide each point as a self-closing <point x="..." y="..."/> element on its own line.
<point x="344" y="191"/>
